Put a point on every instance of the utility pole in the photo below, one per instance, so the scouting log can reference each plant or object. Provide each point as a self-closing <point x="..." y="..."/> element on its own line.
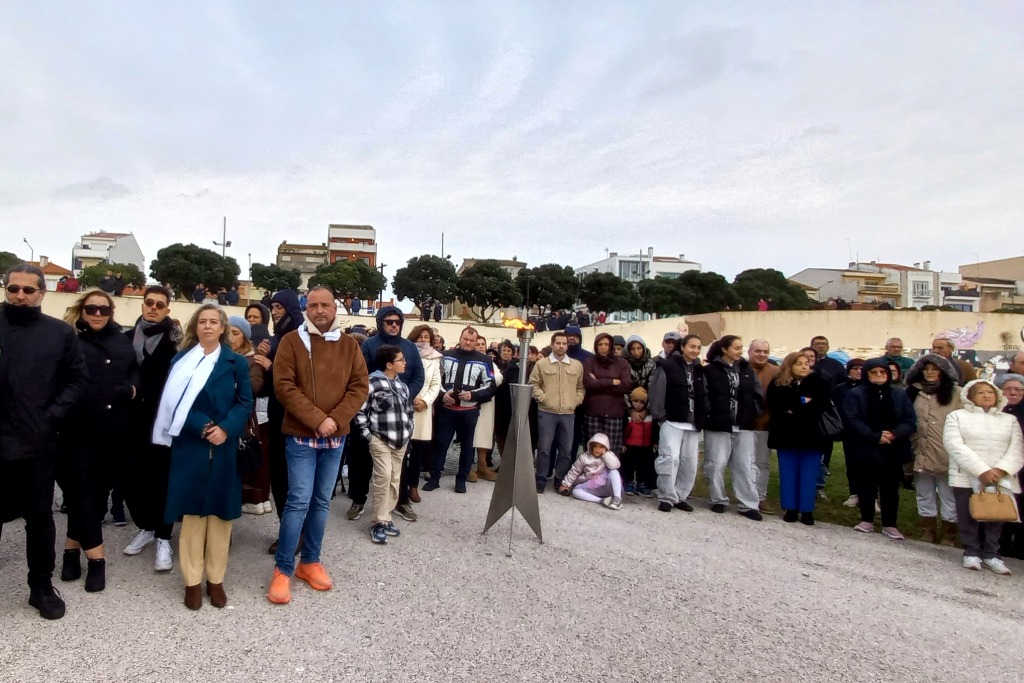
<point x="224" y="243"/>
<point x="32" y="256"/>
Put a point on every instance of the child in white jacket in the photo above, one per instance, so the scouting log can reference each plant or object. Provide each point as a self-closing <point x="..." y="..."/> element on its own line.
<point x="595" y="476"/>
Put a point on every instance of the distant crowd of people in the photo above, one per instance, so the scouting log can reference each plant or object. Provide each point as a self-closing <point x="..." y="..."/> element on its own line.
<point x="198" y="424"/>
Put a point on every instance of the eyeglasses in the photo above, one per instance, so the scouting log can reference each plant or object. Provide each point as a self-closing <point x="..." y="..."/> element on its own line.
<point x="392" y="321"/>
<point x="153" y="303"/>
<point x="14" y="289"/>
<point x="93" y="309"/>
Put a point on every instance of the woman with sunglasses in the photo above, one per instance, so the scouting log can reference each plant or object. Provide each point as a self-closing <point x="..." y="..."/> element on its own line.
<point x="95" y="434"/>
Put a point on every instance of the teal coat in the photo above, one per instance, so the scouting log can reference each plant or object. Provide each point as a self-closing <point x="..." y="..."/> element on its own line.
<point x="204" y="479"/>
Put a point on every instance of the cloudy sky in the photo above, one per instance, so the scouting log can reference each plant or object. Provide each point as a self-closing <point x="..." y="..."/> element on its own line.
<point x="742" y="134"/>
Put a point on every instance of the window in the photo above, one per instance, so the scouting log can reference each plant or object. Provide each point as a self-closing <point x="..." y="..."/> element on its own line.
<point x="632" y="270"/>
<point x="962" y="307"/>
<point x="922" y="289"/>
<point x="286" y="257"/>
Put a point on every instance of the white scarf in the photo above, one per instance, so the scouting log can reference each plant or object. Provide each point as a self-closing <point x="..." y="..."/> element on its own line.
<point x="188" y="377"/>
<point x="331" y="336"/>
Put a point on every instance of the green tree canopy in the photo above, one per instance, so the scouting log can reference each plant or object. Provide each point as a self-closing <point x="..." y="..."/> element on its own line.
<point x="7" y="261"/>
<point x="549" y="285"/>
<point x="705" y="293"/>
<point x="767" y="283"/>
<point x="660" y="296"/>
<point x="487" y="287"/>
<point x="426" y="277"/>
<point x="608" y="292"/>
<point x="91" y="275"/>
<point x="183" y="266"/>
<point x="273" y="277"/>
<point x="349" y="278"/>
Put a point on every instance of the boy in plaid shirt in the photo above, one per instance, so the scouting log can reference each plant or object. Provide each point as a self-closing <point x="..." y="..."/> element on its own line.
<point x="386" y="422"/>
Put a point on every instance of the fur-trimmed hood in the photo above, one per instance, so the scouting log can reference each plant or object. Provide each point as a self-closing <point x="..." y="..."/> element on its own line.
<point x="915" y="373"/>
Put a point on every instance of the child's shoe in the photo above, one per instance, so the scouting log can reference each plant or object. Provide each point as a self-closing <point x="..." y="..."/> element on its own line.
<point x="644" y="492"/>
<point x="630" y="489"/>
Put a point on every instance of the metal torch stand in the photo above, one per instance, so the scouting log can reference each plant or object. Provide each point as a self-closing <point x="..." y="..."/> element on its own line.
<point x="516" y="486"/>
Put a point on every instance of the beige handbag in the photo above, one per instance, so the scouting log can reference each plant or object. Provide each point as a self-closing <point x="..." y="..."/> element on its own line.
<point x="994" y="506"/>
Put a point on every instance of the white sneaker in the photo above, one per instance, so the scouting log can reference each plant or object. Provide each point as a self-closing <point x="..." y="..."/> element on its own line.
<point x="163" y="556"/>
<point x="267" y="508"/>
<point x="139" y="543"/>
<point x="997" y="566"/>
<point x="252" y="509"/>
<point x="344" y="471"/>
<point x="972" y="563"/>
<point x="852" y="502"/>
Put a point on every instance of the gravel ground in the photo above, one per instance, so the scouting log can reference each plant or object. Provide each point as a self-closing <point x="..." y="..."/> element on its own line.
<point x="633" y="595"/>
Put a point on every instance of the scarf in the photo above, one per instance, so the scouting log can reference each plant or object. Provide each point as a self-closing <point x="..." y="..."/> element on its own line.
<point x="22" y="315"/>
<point x="148" y="336"/>
<point x="187" y="378"/>
<point x="928" y="387"/>
<point x="331" y="336"/>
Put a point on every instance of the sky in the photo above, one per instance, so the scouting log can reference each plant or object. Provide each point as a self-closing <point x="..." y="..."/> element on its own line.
<point x="741" y="134"/>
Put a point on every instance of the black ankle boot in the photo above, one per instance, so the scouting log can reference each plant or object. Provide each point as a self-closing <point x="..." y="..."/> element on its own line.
<point x="72" y="569"/>
<point x="47" y="600"/>
<point x="96" y="576"/>
<point x="790" y="516"/>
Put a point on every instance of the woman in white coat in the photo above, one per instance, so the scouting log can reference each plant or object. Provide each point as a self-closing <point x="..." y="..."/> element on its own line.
<point x="423" y="420"/>
<point x="985" y="449"/>
<point x="483" y="437"/>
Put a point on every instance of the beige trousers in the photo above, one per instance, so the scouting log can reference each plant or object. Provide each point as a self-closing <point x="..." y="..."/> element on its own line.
<point x="203" y="544"/>
<point x="387" y="475"/>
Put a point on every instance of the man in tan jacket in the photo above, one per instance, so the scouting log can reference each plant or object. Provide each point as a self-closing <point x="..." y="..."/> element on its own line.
<point x="557" y="383"/>
<point x="321" y="381"/>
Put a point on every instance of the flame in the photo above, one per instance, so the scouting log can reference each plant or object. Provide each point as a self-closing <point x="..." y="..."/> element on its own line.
<point x="516" y="323"/>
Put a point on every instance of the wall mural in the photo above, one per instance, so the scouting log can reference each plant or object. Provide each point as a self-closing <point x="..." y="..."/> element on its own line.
<point x="965" y="337"/>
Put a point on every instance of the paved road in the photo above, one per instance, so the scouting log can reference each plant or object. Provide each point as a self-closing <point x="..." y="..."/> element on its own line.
<point x="634" y="595"/>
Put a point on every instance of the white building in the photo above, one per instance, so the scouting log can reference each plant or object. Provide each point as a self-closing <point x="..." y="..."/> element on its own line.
<point x="637" y="267"/>
<point x="352" y="243"/>
<point x="107" y="247"/>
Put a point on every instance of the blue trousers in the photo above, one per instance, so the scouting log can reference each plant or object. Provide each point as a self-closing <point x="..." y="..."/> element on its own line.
<point x="451" y="423"/>
<point x="798" y="476"/>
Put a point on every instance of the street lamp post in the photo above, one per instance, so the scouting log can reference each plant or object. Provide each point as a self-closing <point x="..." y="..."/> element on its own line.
<point x="32" y="255"/>
<point x="380" y="295"/>
<point x="224" y="242"/>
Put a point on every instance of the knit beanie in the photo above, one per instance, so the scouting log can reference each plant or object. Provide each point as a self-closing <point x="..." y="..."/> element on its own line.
<point x="242" y="324"/>
<point x="638" y="394"/>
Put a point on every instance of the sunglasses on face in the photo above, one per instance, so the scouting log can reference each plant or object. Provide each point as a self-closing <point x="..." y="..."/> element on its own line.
<point x="153" y="303"/>
<point x="14" y="289"/>
<point x="393" y="322"/>
<point x="93" y="309"/>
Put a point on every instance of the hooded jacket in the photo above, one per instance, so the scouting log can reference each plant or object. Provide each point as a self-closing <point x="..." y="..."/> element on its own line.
<point x="748" y="396"/>
<point x="588" y="466"/>
<point x="930" y="454"/>
<point x="413" y="375"/>
<point x="603" y="397"/>
<point x="576" y="351"/>
<point x="640" y="370"/>
<point x="864" y="425"/>
<point x="978" y="440"/>
<point x="292" y="318"/>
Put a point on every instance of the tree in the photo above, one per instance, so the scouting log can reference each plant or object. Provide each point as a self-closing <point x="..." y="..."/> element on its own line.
<point x="274" y="278"/>
<point x="349" y="278"/>
<point x="7" y="261"/>
<point x="660" y="296"/>
<point x="705" y="293"/>
<point x="487" y="286"/>
<point x="183" y="266"/>
<point x="426" y="277"/>
<point x="608" y="292"/>
<point x="549" y="285"/>
<point x="767" y="283"/>
<point x="92" y="275"/>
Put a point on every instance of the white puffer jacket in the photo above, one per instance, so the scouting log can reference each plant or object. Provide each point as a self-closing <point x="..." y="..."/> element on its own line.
<point x="978" y="441"/>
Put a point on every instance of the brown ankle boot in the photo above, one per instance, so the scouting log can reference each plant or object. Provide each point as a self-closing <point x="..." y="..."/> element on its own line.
<point x="472" y="476"/>
<point x="486" y="473"/>
<point x="950" y="535"/>
<point x="414" y="494"/>
<point x="928" y="529"/>
<point x="193" y="596"/>
<point x="218" y="598"/>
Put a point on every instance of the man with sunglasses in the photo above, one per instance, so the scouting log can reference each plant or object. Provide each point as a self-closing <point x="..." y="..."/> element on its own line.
<point x="42" y="375"/>
<point x="147" y="466"/>
<point x="360" y="464"/>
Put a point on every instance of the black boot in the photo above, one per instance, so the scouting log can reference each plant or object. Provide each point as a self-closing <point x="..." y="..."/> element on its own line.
<point x="96" y="576"/>
<point x="72" y="569"/>
<point x="807" y="518"/>
<point x="790" y="516"/>
<point x="47" y="600"/>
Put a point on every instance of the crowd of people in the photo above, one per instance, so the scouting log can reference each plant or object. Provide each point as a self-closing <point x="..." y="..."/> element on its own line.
<point x="200" y="423"/>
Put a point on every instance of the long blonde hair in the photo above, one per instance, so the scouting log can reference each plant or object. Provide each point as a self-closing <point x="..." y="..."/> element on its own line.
<point x="191" y="337"/>
<point x="786" y="377"/>
<point x="74" y="312"/>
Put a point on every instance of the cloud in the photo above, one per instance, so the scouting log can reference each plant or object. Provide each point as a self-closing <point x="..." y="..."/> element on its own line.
<point x="102" y="188"/>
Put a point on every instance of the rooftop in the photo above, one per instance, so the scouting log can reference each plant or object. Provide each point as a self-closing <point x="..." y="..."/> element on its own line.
<point x="107" y="235"/>
<point x="990" y="281"/>
<point x="51" y="268"/>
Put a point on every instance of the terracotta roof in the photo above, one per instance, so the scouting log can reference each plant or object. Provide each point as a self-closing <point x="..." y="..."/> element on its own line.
<point x="108" y="235"/>
<point x="990" y="280"/>
<point x="51" y="268"/>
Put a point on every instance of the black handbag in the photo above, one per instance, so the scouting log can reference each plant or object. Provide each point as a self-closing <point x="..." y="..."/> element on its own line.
<point x="829" y="423"/>
<point x="250" y="449"/>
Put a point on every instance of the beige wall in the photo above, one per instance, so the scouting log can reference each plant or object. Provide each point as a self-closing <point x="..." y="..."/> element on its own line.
<point x="127" y="309"/>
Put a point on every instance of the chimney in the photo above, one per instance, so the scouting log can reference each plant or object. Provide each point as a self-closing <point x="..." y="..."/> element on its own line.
<point x="44" y="261"/>
<point x="927" y="265"/>
<point x="682" y="257"/>
<point x="613" y="254"/>
<point x="917" y="264"/>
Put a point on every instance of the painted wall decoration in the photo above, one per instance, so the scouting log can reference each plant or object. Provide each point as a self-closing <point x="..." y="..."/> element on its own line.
<point x="965" y="337"/>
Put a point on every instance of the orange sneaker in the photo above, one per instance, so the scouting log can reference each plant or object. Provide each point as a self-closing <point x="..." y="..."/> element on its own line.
<point x="315" y="575"/>
<point x="280" y="592"/>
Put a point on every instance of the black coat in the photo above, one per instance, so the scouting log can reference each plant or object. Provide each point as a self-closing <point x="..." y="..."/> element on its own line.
<point x="153" y="374"/>
<point x="831" y="370"/>
<point x="861" y="438"/>
<point x="671" y="384"/>
<point x="795" y="411"/>
<point x="748" y="397"/>
<point x="113" y="375"/>
<point x="42" y="375"/>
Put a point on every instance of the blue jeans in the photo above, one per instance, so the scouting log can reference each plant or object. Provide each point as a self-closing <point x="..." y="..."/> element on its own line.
<point x="450" y="423"/>
<point x="312" y="474"/>
<point x="798" y="473"/>
<point x="553" y="430"/>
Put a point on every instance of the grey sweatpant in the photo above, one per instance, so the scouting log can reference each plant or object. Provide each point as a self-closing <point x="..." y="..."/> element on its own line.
<point x="676" y="464"/>
<point x="735" y="450"/>
<point x="762" y="456"/>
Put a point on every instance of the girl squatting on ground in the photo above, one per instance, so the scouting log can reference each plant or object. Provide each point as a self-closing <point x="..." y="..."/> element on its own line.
<point x="595" y="475"/>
